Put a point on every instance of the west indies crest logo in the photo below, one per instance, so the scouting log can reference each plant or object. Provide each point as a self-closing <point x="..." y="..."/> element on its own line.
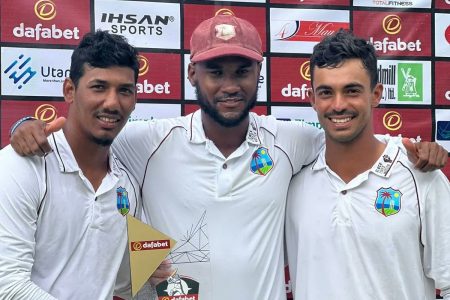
<point x="388" y="201"/>
<point x="261" y="162"/>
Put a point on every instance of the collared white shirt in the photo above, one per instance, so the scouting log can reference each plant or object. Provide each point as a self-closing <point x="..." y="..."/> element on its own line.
<point x="385" y="235"/>
<point x="227" y="214"/>
<point x="58" y="237"/>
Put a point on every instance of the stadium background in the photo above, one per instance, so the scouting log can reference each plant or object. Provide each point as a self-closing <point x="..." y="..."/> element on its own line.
<point x="412" y="38"/>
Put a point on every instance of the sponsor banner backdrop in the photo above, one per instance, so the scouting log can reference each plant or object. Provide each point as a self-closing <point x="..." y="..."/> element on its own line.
<point x="248" y="1"/>
<point x="411" y="37"/>
<point x="442" y="82"/>
<point x="394" y="3"/>
<point x="34" y="71"/>
<point x="405" y="82"/>
<point x="442" y="34"/>
<point x="304" y="114"/>
<point x="395" y="33"/>
<point x="443" y="4"/>
<point x="290" y="78"/>
<point x="144" y="24"/>
<point x="313" y="2"/>
<point x="298" y="30"/>
<point x="44" y="21"/>
<point x="11" y="111"/>
<point x="195" y="14"/>
<point x="403" y="122"/>
<point x="150" y="111"/>
<point x="159" y="76"/>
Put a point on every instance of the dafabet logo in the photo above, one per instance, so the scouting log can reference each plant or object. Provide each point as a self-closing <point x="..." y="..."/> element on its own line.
<point x="392" y="121"/>
<point x="159" y="75"/>
<point x="291" y="79"/>
<point x="392" y="24"/>
<point x="395" y="33"/>
<point x="44" y="21"/>
<point x="12" y="110"/>
<point x="150" y="245"/>
<point x="45" y="10"/>
<point x="407" y="122"/>
<point x="46" y="112"/>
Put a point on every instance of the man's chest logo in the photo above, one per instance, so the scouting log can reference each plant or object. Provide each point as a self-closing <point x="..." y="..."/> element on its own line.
<point x="261" y="162"/>
<point x="388" y="201"/>
<point x="123" y="203"/>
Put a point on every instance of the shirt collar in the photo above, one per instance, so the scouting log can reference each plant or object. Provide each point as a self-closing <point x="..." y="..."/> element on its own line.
<point x="382" y="167"/>
<point x="197" y="135"/>
<point x="66" y="159"/>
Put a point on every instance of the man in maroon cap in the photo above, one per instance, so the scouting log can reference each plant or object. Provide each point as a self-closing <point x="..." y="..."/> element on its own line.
<point x="216" y="180"/>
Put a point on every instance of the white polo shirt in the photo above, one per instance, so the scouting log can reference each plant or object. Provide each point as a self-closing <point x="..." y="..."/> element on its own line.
<point x="227" y="214"/>
<point x="385" y="235"/>
<point x="60" y="239"/>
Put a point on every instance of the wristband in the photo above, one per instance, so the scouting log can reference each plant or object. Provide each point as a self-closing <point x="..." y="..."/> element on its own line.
<point x="18" y="123"/>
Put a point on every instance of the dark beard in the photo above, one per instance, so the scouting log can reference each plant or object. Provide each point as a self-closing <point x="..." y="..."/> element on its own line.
<point x="105" y="142"/>
<point x="214" y="114"/>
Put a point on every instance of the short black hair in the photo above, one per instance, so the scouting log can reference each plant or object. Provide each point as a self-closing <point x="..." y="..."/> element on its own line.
<point x="101" y="49"/>
<point x="333" y="50"/>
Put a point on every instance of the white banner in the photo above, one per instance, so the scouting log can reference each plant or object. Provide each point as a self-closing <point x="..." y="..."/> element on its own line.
<point x="144" y="24"/>
<point x="305" y="114"/>
<point x="442" y="35"/>
<point x="149" y="111"/>
<point x="405" y="82"/>
<point x="34" y="71"/>
<point x="299" y="30"/>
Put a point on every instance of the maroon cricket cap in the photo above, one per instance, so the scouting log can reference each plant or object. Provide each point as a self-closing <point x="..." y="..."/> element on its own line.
<point x="225" y="35"/>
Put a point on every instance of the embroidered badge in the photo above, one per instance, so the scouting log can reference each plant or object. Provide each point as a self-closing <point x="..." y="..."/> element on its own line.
<point x="261" y="163"/>
<point x="177" y="285"/>
<point x="388" y="201"/>
<point x="252" y="134"/>
<point x="225" y="31"/>
<point x="123" y="204"/>
<point x="387" y="159"/>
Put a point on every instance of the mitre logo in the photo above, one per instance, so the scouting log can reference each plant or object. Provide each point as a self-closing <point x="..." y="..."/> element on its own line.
<point x="143" y="65"/>
<point x="392" y="120"/>
<point x="392" y="24"/>
<point x="305" y="71"/>
<point x="224" y="12"/>
<point x="45" y="10"/>
<point x="45" y="113"/>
